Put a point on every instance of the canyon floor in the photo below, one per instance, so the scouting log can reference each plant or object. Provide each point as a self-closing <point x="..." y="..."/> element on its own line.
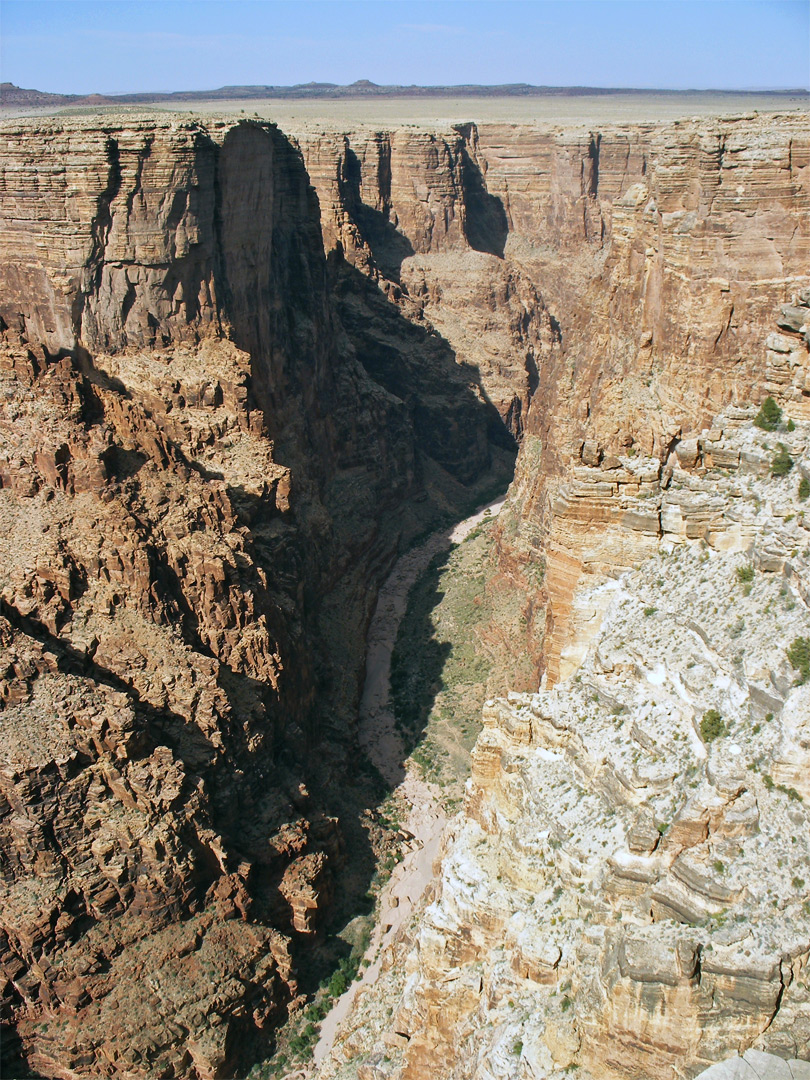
<point x="422" y="801"/>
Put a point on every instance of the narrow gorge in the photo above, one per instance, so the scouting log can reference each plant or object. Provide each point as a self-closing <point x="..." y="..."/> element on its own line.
<point x="244" y="371"/>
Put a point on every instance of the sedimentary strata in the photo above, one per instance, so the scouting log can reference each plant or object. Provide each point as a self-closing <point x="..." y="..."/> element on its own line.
<point x="625" y="893"/>
<point x="239" y="372"/>
<point x="671" y="300"/>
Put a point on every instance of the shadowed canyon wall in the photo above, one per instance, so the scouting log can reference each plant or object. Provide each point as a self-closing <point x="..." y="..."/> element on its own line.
<point x="227" y="394"/>
<point x="609" y="902"/>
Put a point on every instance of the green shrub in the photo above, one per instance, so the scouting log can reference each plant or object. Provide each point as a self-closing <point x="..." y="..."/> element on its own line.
<point x="799" y="656"/>
<point x="769" y="415"/>
<point x="648" y="611"/>
<point x="745" y="574"/>
<point x="790" y="426"/>
<point x="782" y="462"/>
<point x="804" y="488"/>
<point x="712" y="726"/>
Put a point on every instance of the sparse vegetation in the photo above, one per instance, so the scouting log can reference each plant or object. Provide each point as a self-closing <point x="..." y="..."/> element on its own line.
<point x="799" y="656"/>
<point x="804" y="489"/>
<point x="444" y="660"/>
<point x="745" y="574"/>
<point x="769" y="416"/>
<point x="712" y="726"/>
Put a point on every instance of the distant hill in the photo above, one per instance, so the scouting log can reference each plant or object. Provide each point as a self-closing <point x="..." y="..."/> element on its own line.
<point x="12" y="96"/>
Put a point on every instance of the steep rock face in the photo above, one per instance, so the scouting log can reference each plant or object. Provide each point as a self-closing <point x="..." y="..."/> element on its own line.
<point x="411" y="210"/>
<point x="622" y="279"/>
<point x="625" y="893"/>
<point x="663" y="254"/>
<point x="201" y="484"/>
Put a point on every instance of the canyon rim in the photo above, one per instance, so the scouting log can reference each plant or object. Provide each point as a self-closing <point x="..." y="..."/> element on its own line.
<point x="246" y="367"/>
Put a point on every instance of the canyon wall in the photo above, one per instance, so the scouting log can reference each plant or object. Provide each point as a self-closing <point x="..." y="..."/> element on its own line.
<point x="624" y="280"/>
<point x="202" y="482"/>
<point x="670" y="265"/>
<point x="625" y="894"/>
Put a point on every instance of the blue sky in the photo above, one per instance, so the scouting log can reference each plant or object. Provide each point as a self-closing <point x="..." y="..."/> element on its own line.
<point x="115" y="46"/>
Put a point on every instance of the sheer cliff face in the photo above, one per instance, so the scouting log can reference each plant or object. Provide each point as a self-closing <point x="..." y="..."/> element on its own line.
<point x="200" y="485"/>
<point x="661" y="254"/>
<point x="664" y="255"/>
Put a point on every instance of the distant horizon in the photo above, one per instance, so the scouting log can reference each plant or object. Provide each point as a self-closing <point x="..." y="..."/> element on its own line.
<point x="123" y="47"/>
<point x="367" y="88"/>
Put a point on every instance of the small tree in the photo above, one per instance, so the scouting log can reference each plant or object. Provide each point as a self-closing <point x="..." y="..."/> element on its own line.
<point x="769" y="416"/>
<point x="804" y="488"/>
<point x="782" y="462"/>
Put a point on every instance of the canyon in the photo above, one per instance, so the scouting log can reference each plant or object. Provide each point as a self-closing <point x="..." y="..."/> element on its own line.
<point x="243" y="372"/>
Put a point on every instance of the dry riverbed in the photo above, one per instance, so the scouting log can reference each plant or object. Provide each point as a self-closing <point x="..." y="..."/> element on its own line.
<point x="384" y="745"/>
